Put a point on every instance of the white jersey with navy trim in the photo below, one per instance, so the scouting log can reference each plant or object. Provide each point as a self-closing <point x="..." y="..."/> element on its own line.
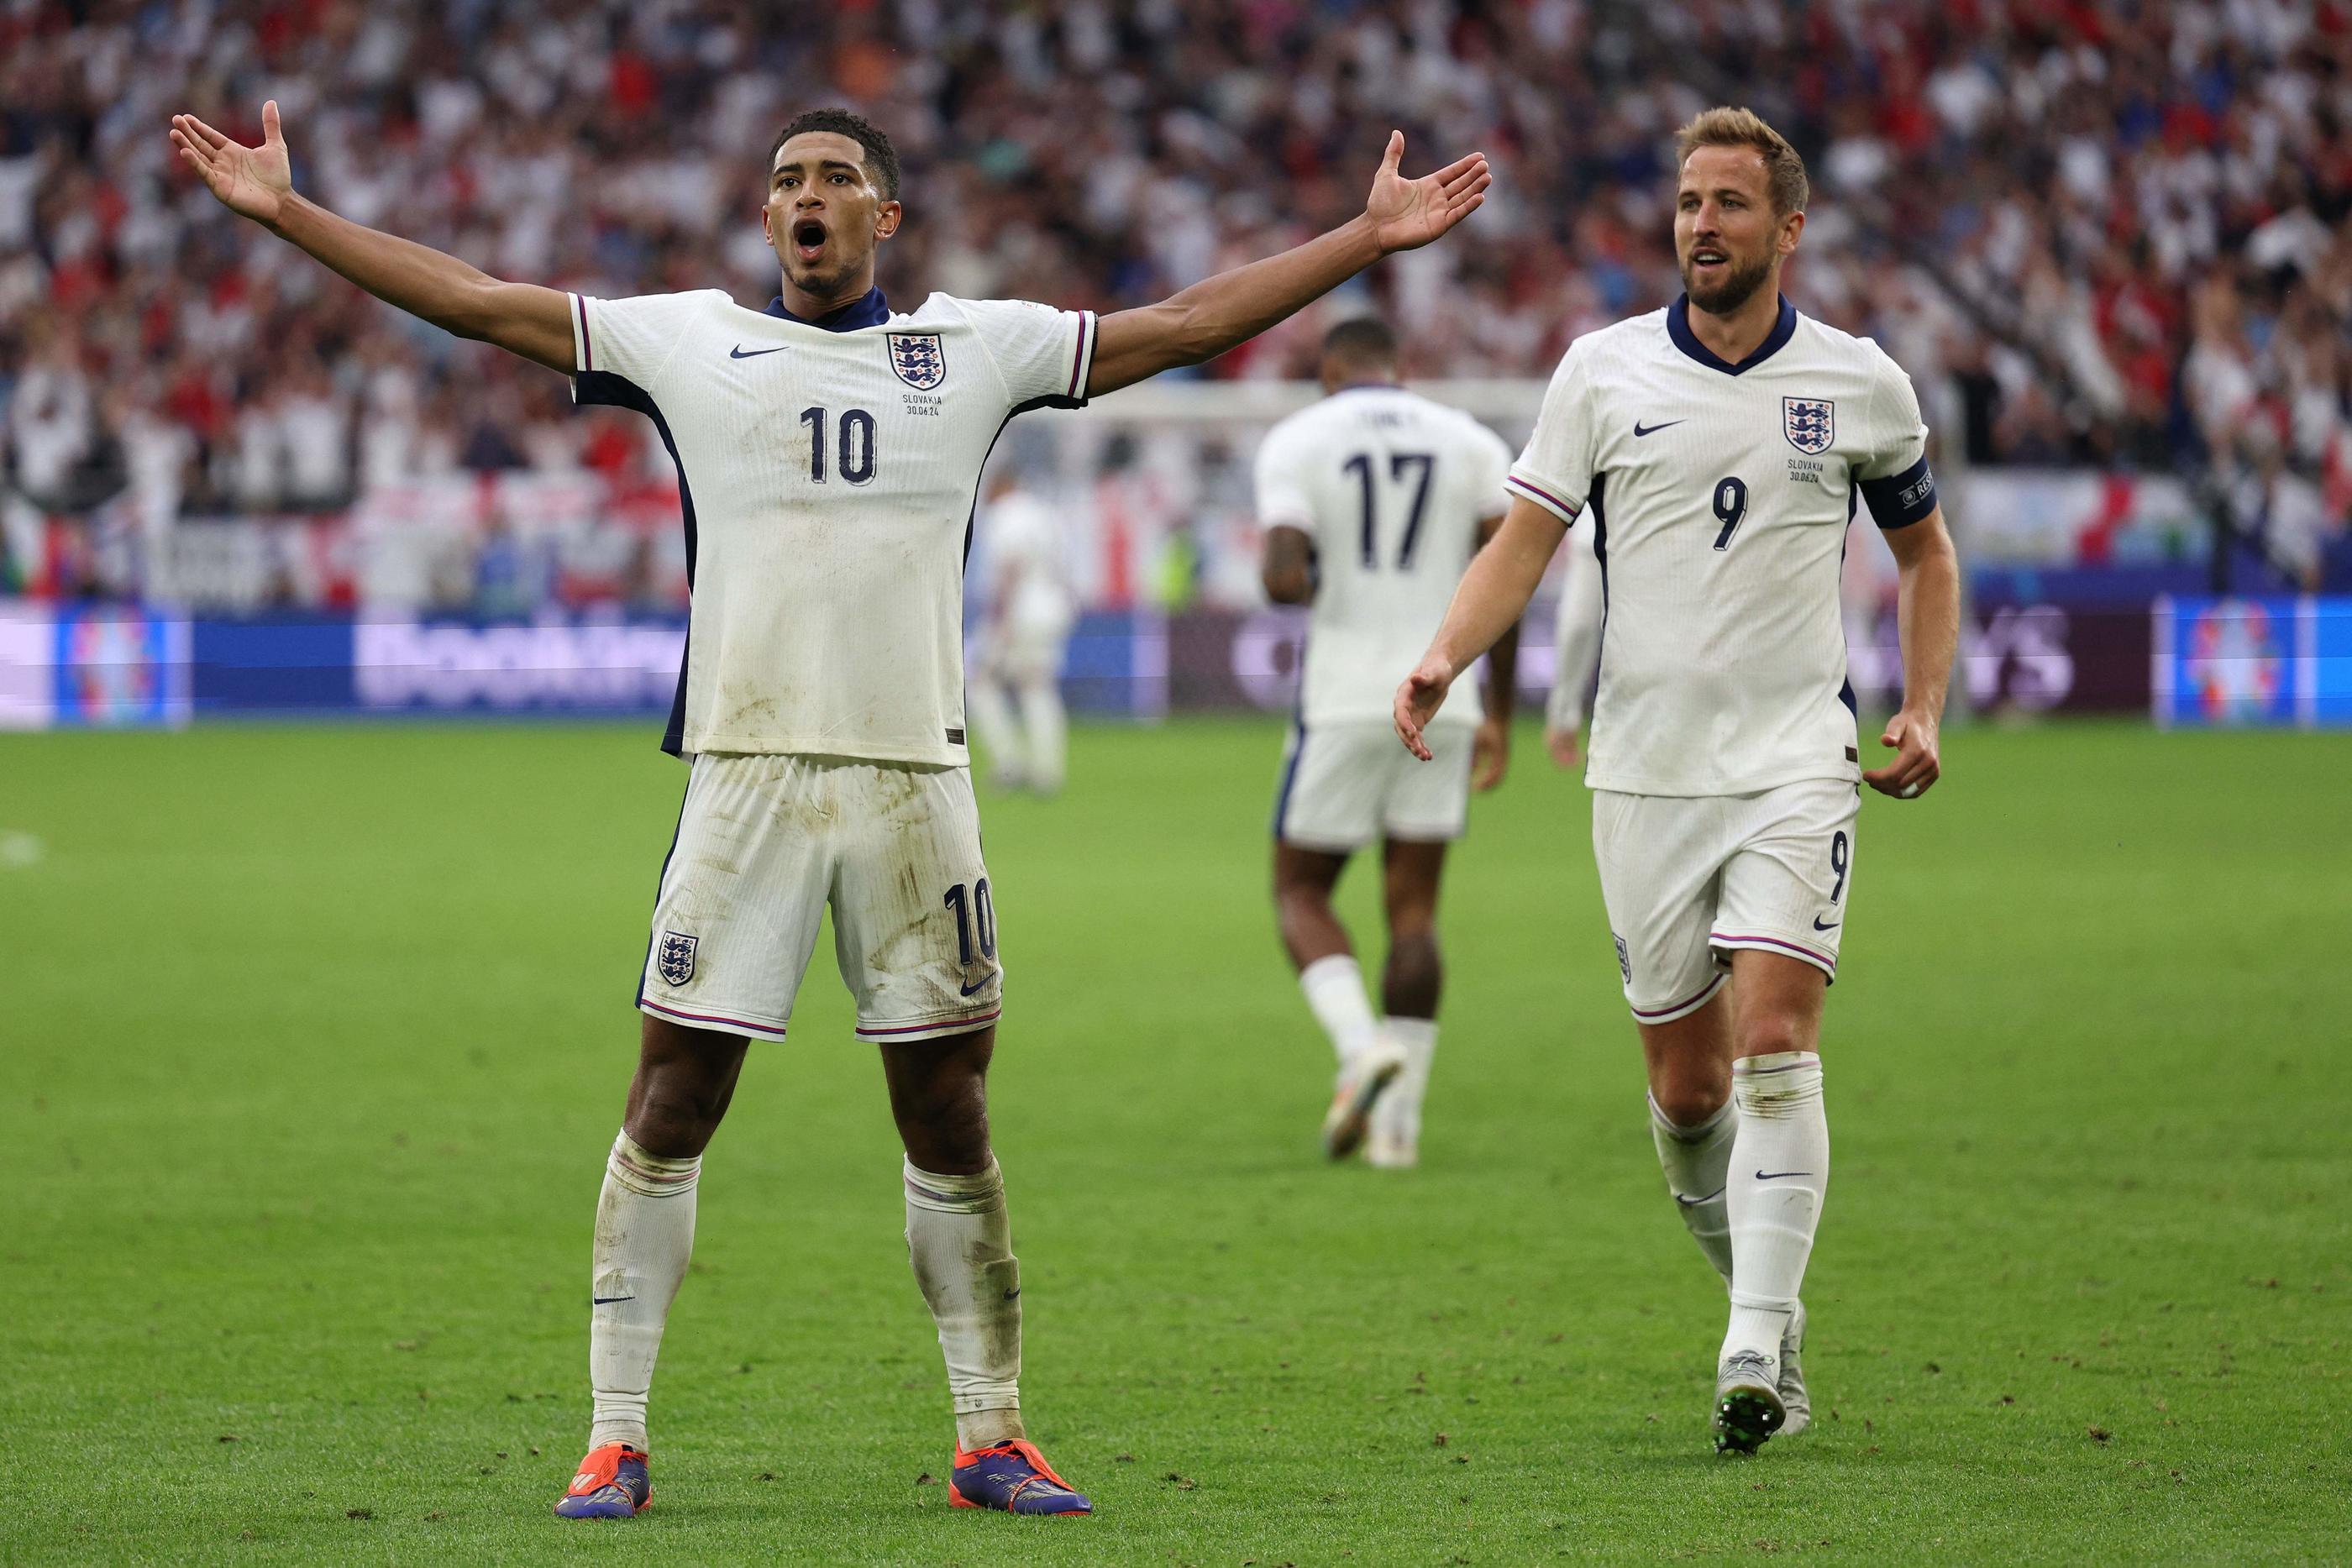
<point x="827" y="472"/>
<point x="1390" y="490"/>
<point x="1721" y="496"/>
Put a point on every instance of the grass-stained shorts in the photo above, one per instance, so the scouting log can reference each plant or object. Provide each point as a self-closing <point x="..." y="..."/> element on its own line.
<point x="765" y="842"/>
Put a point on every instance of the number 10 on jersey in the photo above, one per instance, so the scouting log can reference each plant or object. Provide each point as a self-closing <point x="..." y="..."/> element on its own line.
<point x="856" y="448"/>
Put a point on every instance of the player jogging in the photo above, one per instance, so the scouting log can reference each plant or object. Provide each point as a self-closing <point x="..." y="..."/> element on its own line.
<point x="1373" y="501"/>
<point x="1026" y="615"/>
<point x="828" y="449"/>
<point x="1720" y="446"/>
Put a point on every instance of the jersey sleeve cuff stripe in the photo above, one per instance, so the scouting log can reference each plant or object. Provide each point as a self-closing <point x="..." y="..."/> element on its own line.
<point x="1542" y="498"/>
<point x="1085" y="357"/>
<point x="584" y="349"/>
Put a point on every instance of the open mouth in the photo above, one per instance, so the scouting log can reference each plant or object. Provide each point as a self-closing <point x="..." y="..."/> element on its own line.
<point x="1707" y="256"/>
<point x="808" y="238"/>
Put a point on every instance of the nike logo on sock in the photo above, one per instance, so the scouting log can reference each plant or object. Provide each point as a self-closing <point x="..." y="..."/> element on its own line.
<point x="1775" y="1176"/>
<point x="1694" y="1202"/>
<point x="1013" y="1294"/>
<point x="608" y="1300"/>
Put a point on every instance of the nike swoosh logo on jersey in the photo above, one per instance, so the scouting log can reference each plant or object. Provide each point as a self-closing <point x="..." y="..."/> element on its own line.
<point x="1831" y="926"/>
<point x="1640" y="429"/>
<point x="739" y="352"/>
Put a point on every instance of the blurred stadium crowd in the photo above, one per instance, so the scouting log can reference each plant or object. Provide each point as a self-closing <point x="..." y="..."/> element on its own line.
<point x="2097" y="232"/>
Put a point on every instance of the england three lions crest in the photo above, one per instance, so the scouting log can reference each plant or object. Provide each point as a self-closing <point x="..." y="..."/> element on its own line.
<point x="920" y="359"/>
<point x="674" y="959"/>
<point x="1809" y="422"/>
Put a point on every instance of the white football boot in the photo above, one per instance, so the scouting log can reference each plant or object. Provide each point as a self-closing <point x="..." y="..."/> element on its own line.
<point x="1365" y="1076"/>
<point x="1395" y="1144"/>
<point x="1747" y="1408"/>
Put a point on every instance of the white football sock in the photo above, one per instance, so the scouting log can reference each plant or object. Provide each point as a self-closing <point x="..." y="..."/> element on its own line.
<point x="1334" y="989"/>
<point x="1780" y="1170"/>
<point x="1041" y="713"/>
<point x="1398" y="1113"/>
<point x="1697" y="1161"/>
<point x="960" y="1239"/>
<point x="993" y="726"/>
<point x="645" y="1233"/>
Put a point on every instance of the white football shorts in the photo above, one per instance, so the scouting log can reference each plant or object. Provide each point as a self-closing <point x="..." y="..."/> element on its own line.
<point x="1687" y="879"/>
<point x="764" y="843"/>
<point x="1345" y="785"/>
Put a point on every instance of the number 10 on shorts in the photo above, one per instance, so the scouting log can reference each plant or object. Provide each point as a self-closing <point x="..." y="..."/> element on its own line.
<point x="975" y="920"/>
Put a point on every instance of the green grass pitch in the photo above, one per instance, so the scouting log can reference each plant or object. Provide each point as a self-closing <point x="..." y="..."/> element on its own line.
<point x="315" y="1037"/>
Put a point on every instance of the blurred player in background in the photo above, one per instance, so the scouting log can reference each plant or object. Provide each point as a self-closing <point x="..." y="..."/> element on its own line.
<point x="1720" y="446"/>
<point x="1028" y="610"/>
<point x="829" y="452"/>
<point x="1373" y="501"/>
<point x="1576" y="648"/>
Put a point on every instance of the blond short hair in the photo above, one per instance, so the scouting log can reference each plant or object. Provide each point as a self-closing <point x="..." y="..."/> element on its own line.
<point x="1784" y="171"/>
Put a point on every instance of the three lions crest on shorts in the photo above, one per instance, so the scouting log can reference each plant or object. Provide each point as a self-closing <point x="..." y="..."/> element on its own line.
<point x="674" y="960"/>
<point x="1808" y="423"/>
<point x="918" y="358"/>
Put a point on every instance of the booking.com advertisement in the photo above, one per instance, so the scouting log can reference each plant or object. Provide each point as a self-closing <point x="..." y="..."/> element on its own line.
<point x="2275" y="661"/>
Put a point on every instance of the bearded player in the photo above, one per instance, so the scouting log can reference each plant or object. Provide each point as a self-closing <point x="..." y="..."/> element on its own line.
<point x="828" y="451"/>
<point x="1720" y="448"/>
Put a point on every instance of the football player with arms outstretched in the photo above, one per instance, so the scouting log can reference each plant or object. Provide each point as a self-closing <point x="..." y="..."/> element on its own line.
<point x="828" y="451"/>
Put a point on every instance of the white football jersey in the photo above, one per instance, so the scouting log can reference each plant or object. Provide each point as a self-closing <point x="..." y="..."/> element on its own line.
<point x="1021" y="540"/>
<point x="1721" y="496"/>
<point x="827" y="472"/>
<point x="1390" y="488"/>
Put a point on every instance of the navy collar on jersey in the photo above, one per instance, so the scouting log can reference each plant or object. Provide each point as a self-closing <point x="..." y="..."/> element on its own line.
<point x="870" y="310"/>
<point x="1679" y="328"/>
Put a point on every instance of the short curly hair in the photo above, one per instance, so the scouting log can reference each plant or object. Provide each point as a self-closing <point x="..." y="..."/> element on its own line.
<point x="881" y="157"/>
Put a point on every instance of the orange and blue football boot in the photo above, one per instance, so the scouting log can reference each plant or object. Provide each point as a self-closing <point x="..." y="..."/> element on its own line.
<point x="613" y="1483"/>
<point x="1014" y="1478"/>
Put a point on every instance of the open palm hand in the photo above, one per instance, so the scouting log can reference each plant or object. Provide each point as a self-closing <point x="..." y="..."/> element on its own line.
<point x="253" y="180"/>
<point x="1408" y="213"/>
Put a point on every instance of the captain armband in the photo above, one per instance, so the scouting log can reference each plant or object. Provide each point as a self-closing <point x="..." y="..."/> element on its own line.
<point x="1901" y="499"/>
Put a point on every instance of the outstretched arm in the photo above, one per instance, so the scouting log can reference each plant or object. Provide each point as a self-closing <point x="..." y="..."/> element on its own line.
<point x="1928" y="620"/>
<point x="1204" y="320"/>
<point x="1493" y="593"/>
<point x="258" y="183"/>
